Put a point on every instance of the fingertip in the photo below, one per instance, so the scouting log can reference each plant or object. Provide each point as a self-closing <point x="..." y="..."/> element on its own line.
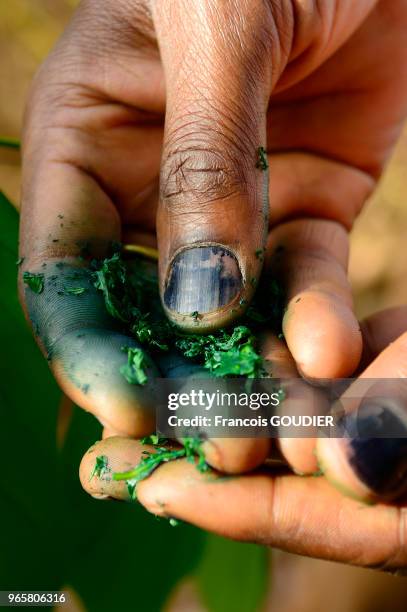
<point x="368" y="464"/>
<point x="300" y="455"/>
<point x="332" y="461"/>
<point x="236" y="455"/>
<point x="113" y="454"/>
<point x="88" y="366"/>
<point x="323" y="335"/>
<point x="298" y="452"/>
<point x="369" y="460"/>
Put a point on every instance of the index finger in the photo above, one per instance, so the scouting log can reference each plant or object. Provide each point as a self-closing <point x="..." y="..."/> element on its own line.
<point x="67" y="219"/>
<point x="302" y="515"/>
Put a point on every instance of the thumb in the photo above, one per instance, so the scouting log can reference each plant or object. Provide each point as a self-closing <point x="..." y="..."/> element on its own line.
<point x="213" y="212"/>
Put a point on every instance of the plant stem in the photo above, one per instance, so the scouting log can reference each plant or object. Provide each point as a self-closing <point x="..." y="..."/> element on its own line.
<point x="145" y="251"/>
<point x="10" y="143"/>
<point x="150" y="463"/>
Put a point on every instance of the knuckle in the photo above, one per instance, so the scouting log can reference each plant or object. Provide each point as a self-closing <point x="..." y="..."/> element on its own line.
<point x="199" y="175"/>
<point x="121" y="30"/>
<point x="117" y="23"/>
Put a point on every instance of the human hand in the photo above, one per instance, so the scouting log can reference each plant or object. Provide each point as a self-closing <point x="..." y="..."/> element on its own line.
<point x="323" y="87"/>
<point x="354" y="513"/>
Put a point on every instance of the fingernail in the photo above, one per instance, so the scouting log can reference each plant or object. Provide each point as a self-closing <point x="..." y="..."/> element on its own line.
<point x="377" y="450"/>
<point x="202" y="279"/>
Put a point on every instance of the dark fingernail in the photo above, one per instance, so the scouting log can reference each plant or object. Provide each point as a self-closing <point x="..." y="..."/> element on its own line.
<point x="378" y="448"/>
<point x="202" y="279"/>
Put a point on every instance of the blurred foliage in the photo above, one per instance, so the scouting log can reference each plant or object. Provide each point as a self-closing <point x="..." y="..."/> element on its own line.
<point x="378" y="260"/>
<point x="111" y="554"/>
<point x="218" y="587"/>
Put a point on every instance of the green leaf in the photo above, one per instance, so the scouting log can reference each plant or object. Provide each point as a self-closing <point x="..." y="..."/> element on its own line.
<point x="34" y="281"/>
<point x="193" y="450"/>
<point x="232" y="576"/>
<point x="101" y="466"/>
<point x="75" y="290"/>
<point x="153" y="440"/>
<point x="110" y="279"/>
<point x="30" y="495"/>
<point x="262" y="161"/>
<point x="134" y="371"/>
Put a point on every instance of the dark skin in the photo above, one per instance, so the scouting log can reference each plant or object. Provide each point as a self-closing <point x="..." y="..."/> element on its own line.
<point x="324" y="88"/>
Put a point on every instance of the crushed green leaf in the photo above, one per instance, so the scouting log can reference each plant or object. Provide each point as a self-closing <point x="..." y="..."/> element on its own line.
<point x="149" y="333"/>
<point x="193" y="449"/>
<point x="147" y="465"/>
<point x="75" y="290"/>
<point x="151" y="461"/>
<point x="131" y="295"/>
<point x="224" y="353"/>
<point x="259" y="254"/>
<point x="134" y="371"/>
<point x="133" y="298"/>
<point x="262" y="161"/>
<point x="101" y="467"/>
<point x="153" y="440"/>
<point x="238" y="361"/>
<point x="34" y="281"/>
<point x="109" y="279"/>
